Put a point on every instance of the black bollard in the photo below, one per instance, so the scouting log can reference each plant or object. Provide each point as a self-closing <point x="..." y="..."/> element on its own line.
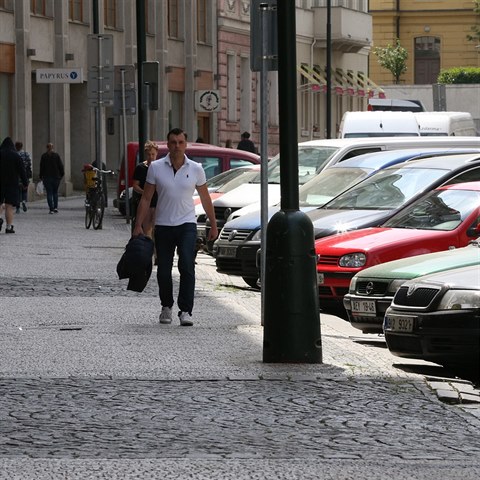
<point x="291" y="317"/>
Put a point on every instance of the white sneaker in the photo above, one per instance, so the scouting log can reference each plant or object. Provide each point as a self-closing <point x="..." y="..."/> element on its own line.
<point x="166" y="315"/>
<point x="185" y="320"/>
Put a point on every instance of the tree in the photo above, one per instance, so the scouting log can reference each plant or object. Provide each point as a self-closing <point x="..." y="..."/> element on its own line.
<point x="475" y="35"/>
<point x="393" y="58"/>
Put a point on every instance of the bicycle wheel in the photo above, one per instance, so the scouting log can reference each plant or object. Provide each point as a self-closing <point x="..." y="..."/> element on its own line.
<point x="98" y="211"/>
<point x="88" y="216"/>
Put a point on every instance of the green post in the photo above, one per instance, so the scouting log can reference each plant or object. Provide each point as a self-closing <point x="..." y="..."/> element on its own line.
<point x="291" y="318"/>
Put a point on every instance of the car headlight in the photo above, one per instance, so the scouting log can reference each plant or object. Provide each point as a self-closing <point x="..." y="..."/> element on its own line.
<point x="353" y="260"/>
<point x="353" y="285"/>
<point x="257" y="236"/>
<point x="460" y="299"/>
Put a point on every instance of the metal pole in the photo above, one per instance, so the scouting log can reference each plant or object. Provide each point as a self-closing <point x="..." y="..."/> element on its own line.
<point x="292" y="322"/>
<point x="263" y="155"/>
<point x="125" y="151"/>
<point x="141" y="56"/>
<point x="329" y="69"/>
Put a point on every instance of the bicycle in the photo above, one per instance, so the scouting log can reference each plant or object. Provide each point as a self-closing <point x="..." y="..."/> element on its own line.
<point x="95" y="195"/>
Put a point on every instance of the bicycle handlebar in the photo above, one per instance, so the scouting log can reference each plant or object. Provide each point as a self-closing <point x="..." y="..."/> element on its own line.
<point x="91" y="167"/>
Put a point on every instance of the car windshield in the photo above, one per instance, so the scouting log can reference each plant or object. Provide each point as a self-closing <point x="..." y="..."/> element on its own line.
<point x="245" y="177"/>
<point x="329" y="183"/>
<point x="224" y="177"/>
<point x="387" y="189"/>
<point x="310" y="161"/>
<point x="438" y="210"/>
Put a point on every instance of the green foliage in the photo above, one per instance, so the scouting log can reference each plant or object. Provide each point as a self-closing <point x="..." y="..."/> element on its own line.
<point x="393" y="59"/>
<point x="459" y="75"/>
<point x="475" y="35"/>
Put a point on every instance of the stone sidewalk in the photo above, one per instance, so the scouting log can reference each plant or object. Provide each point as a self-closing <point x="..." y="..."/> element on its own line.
<point x="91" y="386"/>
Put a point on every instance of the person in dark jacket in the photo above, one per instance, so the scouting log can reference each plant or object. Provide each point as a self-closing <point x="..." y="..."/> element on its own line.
<point x="51" y="172"/>
<point x="11" y="170"/>
<point x="27" y="163"/>
<point x="246" y="144"/>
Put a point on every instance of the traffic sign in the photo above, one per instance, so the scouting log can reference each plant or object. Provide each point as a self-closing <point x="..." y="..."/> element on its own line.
<point x="100" y="84"/>
<point x="99" y="51"/>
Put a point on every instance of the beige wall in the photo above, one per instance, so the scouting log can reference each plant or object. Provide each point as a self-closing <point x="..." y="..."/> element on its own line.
<point x="449" y="20"/>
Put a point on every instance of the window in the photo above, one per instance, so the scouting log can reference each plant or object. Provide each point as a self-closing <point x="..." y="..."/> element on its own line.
<point x="75" y="10"/>
<point x="6" y="5"/>
<point x="231" y="89"/>
<point x="37" y="7"/>
<point x="110" y="13"/>
<point x="173" y="18"/>
<point x="202" y="21"/>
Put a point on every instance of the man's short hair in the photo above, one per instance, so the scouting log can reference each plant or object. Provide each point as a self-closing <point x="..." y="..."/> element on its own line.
<point x="176" y="131"/>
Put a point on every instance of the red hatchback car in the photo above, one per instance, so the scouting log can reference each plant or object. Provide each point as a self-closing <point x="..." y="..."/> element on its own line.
<point x="448" y="217"/>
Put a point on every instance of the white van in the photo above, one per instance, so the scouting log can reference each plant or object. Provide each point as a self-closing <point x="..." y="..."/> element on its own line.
<point x="445" y="123"/>
<point x="378" y="124"/>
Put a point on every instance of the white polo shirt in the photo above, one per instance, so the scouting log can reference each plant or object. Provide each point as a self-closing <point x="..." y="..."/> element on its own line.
<point x="175" y="191"/>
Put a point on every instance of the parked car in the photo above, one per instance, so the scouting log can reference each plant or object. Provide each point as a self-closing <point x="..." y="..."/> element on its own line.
<point x="395" y="105"/>
<point x="213" y="159"/>
<point x="218" y="186"/>
<point x="444" y="218"/>
<point x="316" y="155"/>
<point x="368" y="203"/>
<point x="437" y="318"/>
<point x="371" y="290"/>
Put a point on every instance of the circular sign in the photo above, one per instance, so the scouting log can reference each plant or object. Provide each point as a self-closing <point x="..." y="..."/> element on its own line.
<point x="209" y="100"/>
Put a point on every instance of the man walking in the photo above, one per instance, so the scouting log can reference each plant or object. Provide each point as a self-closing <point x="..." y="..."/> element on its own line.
<point x="27" y="163"/>
<point x="51" y="172"/>
<point x="11" y="170"/>
<point x="175" y="178"/>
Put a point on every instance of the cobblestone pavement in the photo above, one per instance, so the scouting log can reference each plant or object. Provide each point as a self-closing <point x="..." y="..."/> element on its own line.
<point x="91" y="386"/>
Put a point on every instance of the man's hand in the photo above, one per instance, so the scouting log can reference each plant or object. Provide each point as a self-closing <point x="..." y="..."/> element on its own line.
<point x="138" y="230"/>
<point x="212" y="233"/>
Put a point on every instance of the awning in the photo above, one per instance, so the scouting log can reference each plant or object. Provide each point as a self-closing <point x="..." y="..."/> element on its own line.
<point x="350" y="82"/>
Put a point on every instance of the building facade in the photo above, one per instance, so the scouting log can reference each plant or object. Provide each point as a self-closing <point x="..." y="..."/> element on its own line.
<point x="201" y="50"/>
<point x="434" y="32"/>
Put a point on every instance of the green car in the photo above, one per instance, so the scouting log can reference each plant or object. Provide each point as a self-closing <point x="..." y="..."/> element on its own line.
<point x="372" y="290"/>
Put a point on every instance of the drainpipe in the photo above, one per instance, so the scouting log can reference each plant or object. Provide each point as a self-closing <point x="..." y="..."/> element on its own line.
<point x="398" y="19"/>
<point x="310" y="115"/>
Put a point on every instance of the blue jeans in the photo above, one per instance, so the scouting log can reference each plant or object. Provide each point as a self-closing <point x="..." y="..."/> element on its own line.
<point x="51" y="185"/>
<point x="183" y="238"/>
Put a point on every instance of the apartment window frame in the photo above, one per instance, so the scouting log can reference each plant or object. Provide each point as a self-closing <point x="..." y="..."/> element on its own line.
<point x="76" y="11"/>
<point x="38" y="7"/>
<point x="6" y="5"/>
<point x="110" y="14"/>
<point x="173" y="19"/>
<point x="202" y="21"/>
<point x="231" y="87"/>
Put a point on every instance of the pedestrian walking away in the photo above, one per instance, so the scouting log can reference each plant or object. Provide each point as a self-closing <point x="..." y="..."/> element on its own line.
<point x="27" y="163"/>
<point x="175" y="178"/>
<point x="246" y="144"/>
<point x="51" y="173"/>
<point x="11" y="170"/>
<point x="139" y="178"/>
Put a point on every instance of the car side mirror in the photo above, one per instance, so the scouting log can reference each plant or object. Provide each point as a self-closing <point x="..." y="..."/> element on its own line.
<point x="474" y="232"/>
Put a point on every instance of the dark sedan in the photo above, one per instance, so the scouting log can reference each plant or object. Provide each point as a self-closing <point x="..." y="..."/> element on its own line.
<point x="437" y="318"/>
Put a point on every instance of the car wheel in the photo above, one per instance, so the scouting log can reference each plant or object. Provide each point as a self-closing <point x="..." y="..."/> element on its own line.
<point x="252" y="282"/>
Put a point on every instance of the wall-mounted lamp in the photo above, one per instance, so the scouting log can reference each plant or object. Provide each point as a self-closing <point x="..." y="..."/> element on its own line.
<point x="31" y="52"/>
<point x="426" y="28"/>
<point x="217" y="76"/>
<point x="69" y="57"/>
<point x="168" y="69"/>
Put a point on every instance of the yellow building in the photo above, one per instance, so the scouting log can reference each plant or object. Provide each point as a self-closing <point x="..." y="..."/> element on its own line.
<point x="434" y="32"/>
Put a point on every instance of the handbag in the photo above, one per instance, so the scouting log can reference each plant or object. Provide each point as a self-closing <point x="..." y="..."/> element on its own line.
<point x="40" y="189"/>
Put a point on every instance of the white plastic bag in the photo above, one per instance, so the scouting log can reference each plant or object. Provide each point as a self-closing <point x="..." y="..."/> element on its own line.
<point x="40" y="188"/>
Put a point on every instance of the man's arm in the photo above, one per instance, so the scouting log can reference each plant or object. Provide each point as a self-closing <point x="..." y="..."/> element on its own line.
<point x="209" y="210"/>
<point x="142" y="209"/>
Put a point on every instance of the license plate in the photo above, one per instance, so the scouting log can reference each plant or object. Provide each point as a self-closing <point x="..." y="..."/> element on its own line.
<point x="227" y="252"/>
<point x="364" y="308"/>
<point x="320" y="278"/>
<point x="398" y="324"/>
